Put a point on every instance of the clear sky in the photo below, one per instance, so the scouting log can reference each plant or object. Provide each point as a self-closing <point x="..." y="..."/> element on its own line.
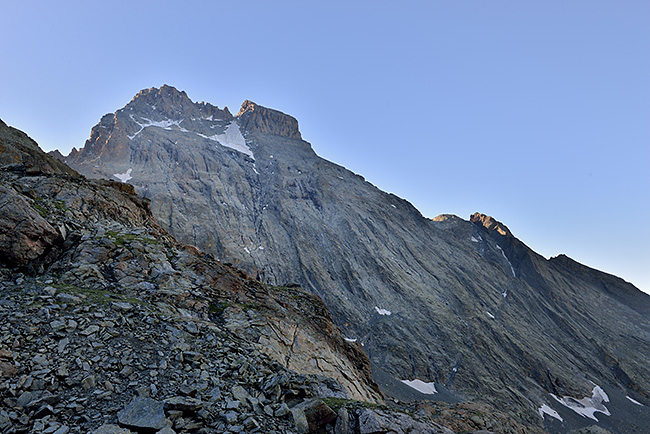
<point x="537" y="113"/>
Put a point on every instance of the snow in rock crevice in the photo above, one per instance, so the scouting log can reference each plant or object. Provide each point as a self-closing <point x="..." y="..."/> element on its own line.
<point x="124" y="176"/>
<point x="421" y="386"/>
<point x="634" y="401"/>
<point x="507" y="260"/>
<point x="382" y="311"/>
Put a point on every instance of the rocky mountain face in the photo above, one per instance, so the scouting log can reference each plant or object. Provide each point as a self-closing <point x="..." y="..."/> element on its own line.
<point x="109" y="326"/>
<point x="107" y="320"/>
<point x="462" y="308"/>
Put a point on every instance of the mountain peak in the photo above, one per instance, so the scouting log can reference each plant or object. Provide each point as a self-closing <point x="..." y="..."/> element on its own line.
<point x="166" y="100"/>
<point x="268" y="121"/>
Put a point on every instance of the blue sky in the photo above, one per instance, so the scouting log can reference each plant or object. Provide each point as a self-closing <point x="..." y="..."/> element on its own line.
<point x="537" y="113"/>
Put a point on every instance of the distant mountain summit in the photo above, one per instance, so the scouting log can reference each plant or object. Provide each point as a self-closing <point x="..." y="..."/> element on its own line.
<point x="445" y="308"/>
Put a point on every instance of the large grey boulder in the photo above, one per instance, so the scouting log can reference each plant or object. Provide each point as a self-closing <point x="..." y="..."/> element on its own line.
<point x="24" y="234"/>
<point x="312" y="414"/>
<point x="143" y="412"/>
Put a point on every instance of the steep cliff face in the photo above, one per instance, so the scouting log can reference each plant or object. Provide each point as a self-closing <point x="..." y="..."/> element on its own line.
<point x="462" y="304"/>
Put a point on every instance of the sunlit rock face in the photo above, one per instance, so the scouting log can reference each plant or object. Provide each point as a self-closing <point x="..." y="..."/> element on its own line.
<point x="472" y="309"/>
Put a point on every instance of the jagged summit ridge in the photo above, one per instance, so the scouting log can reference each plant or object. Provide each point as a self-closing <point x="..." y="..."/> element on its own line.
<point x="167" y="108"/>
<point x="172" y="103"/>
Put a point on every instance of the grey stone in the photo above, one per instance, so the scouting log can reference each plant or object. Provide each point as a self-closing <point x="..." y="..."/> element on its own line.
<point x="239" y="393"/>
<point x="230" y="417"/>
<point x="89" y="382"/>
<point x="342" y="425"/>
<point x="312" y="414"/>
<point x="90" y="330"/>
<point x="111" y="429"/>
<point x="232" y="405"/>
<point x="191" y="356"/>
<point x="122" y="305"/>
<point x="62" y="344"/>
<point x="283" y="410"/>
<point x="183" y="403"/>
<point x="57" y="325"/>
<point x="143" y="412"/>
<point x="191" y="328"/>
<point x="67" y="298"/>
<point x="24" y="399"/>
<point x="369" y="422"/>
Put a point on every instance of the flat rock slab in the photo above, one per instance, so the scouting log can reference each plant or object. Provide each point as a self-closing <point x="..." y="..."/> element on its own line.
<point x="143" y="412"/>
<point x="183" y="403"/>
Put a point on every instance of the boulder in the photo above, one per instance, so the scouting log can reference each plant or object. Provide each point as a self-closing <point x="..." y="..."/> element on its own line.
<point x="143" y="412"/>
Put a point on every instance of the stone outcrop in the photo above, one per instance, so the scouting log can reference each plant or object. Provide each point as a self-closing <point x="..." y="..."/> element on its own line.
<point x="23" y="231"/>
<point x="462" y="304"/>
<point x="253" y="117"/>
<point x="19" y="150"/>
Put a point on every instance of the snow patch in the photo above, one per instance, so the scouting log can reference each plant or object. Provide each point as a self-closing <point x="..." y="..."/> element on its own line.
<point x="586" y="407"/>
<point x="382" y="311"/>
<point x="474" y="240"/>
<point x="421" y="386"/>
<point x="232" y="138"/>
<point x="545" y="409"/>
<point x="350" y="340"/>
<point x="634" y="401"/>
<point x="489" y="314"/>
<point x="123" y="176"/>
